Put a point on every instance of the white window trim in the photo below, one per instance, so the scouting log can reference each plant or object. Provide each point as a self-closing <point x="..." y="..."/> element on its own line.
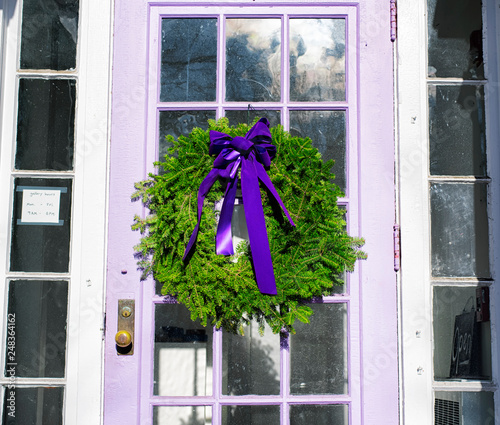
<point x="84" y="357"/>
<point x="412" y="168"/>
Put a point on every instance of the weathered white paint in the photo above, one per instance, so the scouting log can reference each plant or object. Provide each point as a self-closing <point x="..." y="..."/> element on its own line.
<point x="415" y="303"/>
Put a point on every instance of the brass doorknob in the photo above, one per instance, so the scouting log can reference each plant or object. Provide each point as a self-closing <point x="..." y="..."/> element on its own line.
<point x="123" y="339"/>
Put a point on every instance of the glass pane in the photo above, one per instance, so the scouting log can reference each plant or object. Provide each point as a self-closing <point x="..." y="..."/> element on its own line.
<point x="251" y="363"/>
<point x="180" y="123"/>
<point x="183" y="353"/>
<point x="309" y="414"/>
<point x="253" y="60"/>
<point x="455" y="39"/>
<point x="248" y="116"/>
<point x="45" y="124"/>
<point x="463" y="408"/>
<point x="36" y="337"/>
<point x="457" y="130"/>
<point x="182" y="415"/>
<point x="33" y="406"/>
<point x="41" y="244"/>
<point x="318" y="352"/>
<point x="49" y="34"/>
<point x="188" y="59"/>
<point x="327" y="130"/>
<point x="250" y="415"/>
<point x="462" y="344"/>
<point x="459" y="230"/>
<point x="317" y="59"/>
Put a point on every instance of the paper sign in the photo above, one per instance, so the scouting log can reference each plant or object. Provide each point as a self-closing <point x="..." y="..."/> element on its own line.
<point x="40" y="205"/>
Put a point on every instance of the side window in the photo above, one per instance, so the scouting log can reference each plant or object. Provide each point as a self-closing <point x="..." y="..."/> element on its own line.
<point x="42" y="175"/>
<point x="458" y="191"/>
<point x="448" y="171"/>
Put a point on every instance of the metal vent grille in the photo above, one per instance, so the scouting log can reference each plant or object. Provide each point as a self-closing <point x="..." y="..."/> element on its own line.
<point x="446" y="412"/>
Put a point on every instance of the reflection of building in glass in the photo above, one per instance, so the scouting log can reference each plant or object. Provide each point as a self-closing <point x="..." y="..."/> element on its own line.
<point x="317" y="59"/>
<point x="253" y="64"/>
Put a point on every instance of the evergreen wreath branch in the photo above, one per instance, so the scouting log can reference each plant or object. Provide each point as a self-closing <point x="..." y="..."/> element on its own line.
<point x="309" y="260"/>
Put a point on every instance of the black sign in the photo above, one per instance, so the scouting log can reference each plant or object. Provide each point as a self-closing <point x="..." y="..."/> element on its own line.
<point x="466" y="350"/>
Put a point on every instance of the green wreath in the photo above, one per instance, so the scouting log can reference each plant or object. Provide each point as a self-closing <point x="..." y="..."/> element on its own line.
<point x="308" y="260"/>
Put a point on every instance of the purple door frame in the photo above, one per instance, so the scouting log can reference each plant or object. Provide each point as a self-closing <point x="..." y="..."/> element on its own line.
<point x="377" y="381"/>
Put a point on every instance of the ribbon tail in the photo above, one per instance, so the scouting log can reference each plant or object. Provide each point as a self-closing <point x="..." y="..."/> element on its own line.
<point x="259" y="243"/>
<point x="264" y="178"/>
<point x="205" y="187"/>
<point x="223" y="238"/>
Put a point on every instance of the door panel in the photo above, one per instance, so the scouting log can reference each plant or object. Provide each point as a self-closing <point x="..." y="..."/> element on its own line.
<point x="322" y="71"/>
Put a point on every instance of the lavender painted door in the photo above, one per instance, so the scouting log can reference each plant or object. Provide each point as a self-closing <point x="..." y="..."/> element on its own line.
<point x="323" y="70"/>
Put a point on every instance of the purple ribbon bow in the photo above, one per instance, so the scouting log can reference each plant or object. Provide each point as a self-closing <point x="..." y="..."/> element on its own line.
<point x="252" y="153"/>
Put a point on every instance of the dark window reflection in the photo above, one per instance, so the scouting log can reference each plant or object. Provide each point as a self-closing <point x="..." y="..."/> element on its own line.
<point x="34" y="406"/>
<point x="248" y="116"/>
<point x="49" y="34"/>
<point x="188" y="60"/>
<point x="39" y="312"/>
<point x="455" y="38"/>
<point x="318" y="352"/>
<point x="180" y="123"/>
<point x="457" y="130"/>
<point x="244" y="415"/>
<point x="310" y="414"/>
<point x="46" y="124"/>
<point x="327" y="130"/>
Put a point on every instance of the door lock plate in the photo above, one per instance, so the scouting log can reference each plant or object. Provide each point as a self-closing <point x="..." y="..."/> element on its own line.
<point x="126" y="325"/>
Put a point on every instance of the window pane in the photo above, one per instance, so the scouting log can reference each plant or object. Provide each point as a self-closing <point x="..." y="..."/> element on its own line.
<point x="317" y="59"/>
<point x="182" y="415"/>
<point x="457" y="130"/>
<point x="248" y="116"/>
<point x="251" y="363"/>
<point x="459" y="230"/>
<point x="253" y="60"/>
<point x="455" y="39"/>
<point x="188" y="60"/>
<point x="37" y="320"/>
<point x="183" y="353"/>
<point x="327" y="130"/>
<point x="463" y="408"/>
<point x="462" y="344"/>
<point x="180" y="123"/>
<point x="319" y="352"/>
<point x="49" y="34"/>
<point x="250" y="415"/>
<point x="45" y="124"/>
<point x="309" y="414"/>
<point x="34" y="406"/>
<point x="41" y="246"/>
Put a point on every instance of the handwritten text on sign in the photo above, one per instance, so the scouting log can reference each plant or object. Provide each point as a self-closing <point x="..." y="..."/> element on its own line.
<point x="40" y="206"/>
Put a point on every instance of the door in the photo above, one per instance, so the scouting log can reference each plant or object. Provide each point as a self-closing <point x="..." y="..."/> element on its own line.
<point x="322" y="70"/>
